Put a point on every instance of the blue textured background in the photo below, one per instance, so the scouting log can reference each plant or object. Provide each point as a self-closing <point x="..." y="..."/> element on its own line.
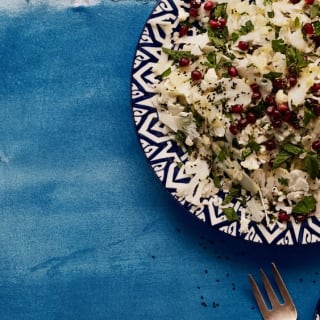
<point x="86" y="230"/>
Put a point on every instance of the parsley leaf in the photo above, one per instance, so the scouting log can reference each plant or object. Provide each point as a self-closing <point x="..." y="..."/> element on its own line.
<point x="305" y="206"/>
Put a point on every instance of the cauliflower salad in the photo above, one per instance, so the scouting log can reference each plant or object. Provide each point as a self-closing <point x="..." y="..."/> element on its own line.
<point x="239" y="89"/>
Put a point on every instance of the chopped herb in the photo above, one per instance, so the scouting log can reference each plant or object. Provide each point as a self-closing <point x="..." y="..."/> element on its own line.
<point x="283" y="181"/>
<point x="271" y="14"/>
<point x="314" y="11"/>
<point x="176" y="55"/>
<point x="305" y="206"/>
<point x="165" y="73"/>
<point x="211" y="60"/>
<point x="248" y="27"/>
<point x="235" y="191"/>
<point x="234" y="36"/>
<point x="222" y="156"/>
<point x="220" y="11"/>
<point x="231" y="214"/>
<point x="246" y="152"/>
<point x="308" y="116"/>
<point x="292" y="149"/>
<point x="278" y="45"/>
<point x="281" y="158"/>
<point x="272" y="75"/>
<point x="254" y="146"/>
<point x="311" y="166"/>
<point x="316" y="27"/>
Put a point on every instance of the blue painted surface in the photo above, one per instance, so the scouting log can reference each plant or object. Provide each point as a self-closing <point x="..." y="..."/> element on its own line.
<point x="86" y="230"/>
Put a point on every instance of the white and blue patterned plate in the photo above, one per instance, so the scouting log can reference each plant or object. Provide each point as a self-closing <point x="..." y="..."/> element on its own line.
<point x="164" y="155"/>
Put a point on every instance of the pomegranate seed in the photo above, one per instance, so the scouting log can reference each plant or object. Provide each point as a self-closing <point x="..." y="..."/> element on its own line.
<point x="184" y="62"/>
<point x="195" y="4"/>
<point x="270" y="145"/>
<point x="243" y="45"/>
<point x="316" y="110"/>
<point x="233" y="129"/>
<point x="193" y="12"/>
<point x="183" y="30"/>
<point x="214" y="24"/>
<point x="276" y="123"/>
<point x="309" y="1"/>
<point x="316" y="145"/>
<point x="222" y="22"/>
<point x="209" y="5"/>
<point x="315" y="87"/>
<point x="196" y="75"/>
<point x="296" y="125"/>
<point x="276" y="115"/>
<point x="233" y="72"/>
<point x="308" y="28"/>
<point x="279" y="83"/>
<point x="270" y="99"/>
<point x="300" y="217"/>
<point x="294" y="1"/>
<point x="242" y="123"/>
<point x="256" y="95"/>
<point x="287" y="116"/>
<point x="270" y="110"/>
<point x="237" y="108"/>
<point x="282" y="108"/>
<point x="292" y="81"/>
<point x="251" y="117"/>
<point x="283" y="216"/>
<point x="255" y="87"/>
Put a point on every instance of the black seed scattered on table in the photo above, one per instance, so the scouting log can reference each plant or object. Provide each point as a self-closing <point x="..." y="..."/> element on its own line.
<point x="228" y="275"/>
<point x="178" y="229"/>
<point x="198" y="287"/>
<point x="215" y="305"/>
<point x="202" y="297"/>
<point x="314" y="281"/>
<point x="217" y="280"/>
<point x="300" y="280"/>
<point x="204" y="304"/>
<point x="153" y="257"/>
<point x="206" y="271"/>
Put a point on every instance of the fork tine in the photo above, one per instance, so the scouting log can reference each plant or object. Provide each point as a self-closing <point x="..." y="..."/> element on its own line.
<point x="258" y="296"/>
<point x="269" y="289"/>
<point x="281" y="285"/>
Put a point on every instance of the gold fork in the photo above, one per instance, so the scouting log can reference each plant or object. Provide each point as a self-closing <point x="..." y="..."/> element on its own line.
<point x="278" y="311"/>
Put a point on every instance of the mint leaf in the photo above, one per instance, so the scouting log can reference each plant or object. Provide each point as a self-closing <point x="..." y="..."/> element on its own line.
<point x="305" y="206"/>
<point x="231" y="214"/>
